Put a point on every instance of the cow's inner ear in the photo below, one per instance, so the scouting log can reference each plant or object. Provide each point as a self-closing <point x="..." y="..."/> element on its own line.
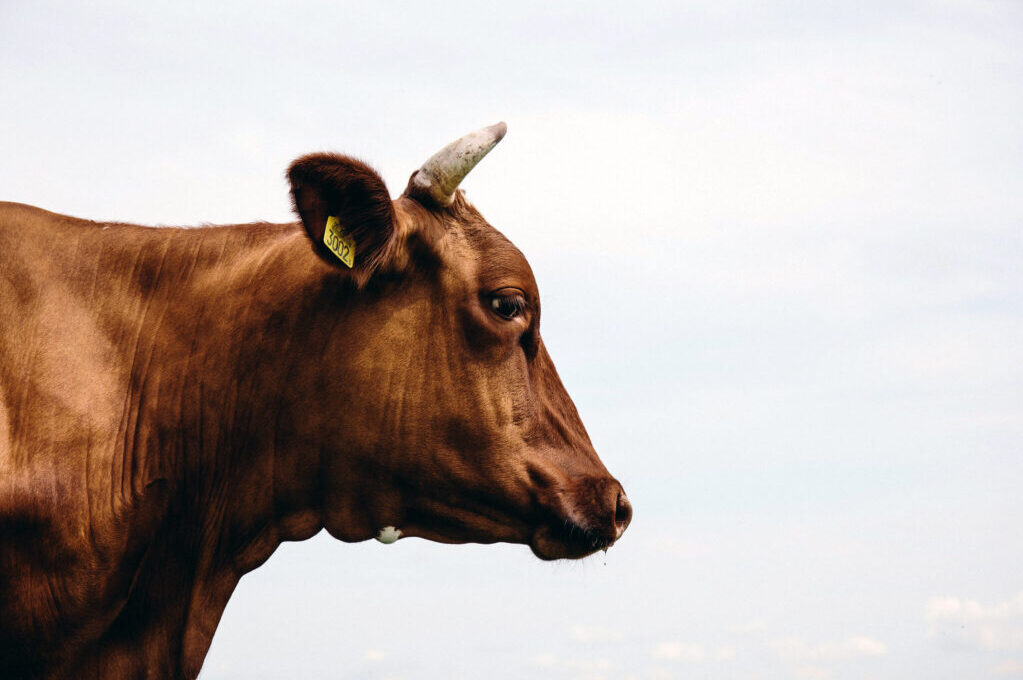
<point x="354" y="199"/>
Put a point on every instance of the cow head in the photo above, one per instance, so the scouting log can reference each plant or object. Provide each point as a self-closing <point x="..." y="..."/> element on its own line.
<point x="437" y="410"/>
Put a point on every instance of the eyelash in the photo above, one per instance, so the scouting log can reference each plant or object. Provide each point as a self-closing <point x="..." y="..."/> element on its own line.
<point x="515" y="301"/>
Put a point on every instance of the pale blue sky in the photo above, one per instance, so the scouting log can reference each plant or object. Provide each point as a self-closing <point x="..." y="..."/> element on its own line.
<point x="780" y="247"/>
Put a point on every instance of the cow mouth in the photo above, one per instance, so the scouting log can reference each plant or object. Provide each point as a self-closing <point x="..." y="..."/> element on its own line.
<point x="568" y="540"/>
<point x="555" y="540"/>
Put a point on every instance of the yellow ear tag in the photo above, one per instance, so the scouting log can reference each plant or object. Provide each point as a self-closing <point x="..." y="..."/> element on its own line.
<point x="339" y="243"/>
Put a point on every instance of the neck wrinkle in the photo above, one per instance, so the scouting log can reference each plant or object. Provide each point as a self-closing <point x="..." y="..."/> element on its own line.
<point x="206" y="414"/>
<point x="259" y="309"/>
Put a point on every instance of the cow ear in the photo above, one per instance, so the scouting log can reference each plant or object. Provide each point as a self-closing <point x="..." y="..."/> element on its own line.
<point x="353" y="198"/>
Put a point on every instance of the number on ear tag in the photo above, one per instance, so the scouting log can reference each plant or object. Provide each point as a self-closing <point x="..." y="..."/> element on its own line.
<point x="339" y="243"/>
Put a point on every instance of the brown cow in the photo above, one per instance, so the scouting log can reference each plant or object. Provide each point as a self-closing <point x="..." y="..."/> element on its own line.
<point x="175" y="403"/>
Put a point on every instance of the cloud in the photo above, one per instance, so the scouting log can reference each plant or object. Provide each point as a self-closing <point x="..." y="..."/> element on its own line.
<point x="550" y="660"/>
<point x="691" y="652"/>
<point x="595" y="634"/>
<point x="1011" y="668"/>
<point x="970" y="624"/>
<point x="375" y="655"/>
<point x="798" y="651"/>
<point x="811" y="673"/>
<point x="679" y="651"/>
<point x="659" y="673"/>
<point x="751" y="628"/>
<point x="811" y="661"/>
<point x="544" y="660"/>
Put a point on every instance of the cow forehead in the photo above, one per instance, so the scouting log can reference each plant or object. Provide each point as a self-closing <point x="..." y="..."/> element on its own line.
<point x="470" y="244"/>
<point x="499" y="262"/>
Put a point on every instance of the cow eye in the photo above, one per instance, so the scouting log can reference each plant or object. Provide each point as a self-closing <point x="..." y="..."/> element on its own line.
<point x="507" y="304"/>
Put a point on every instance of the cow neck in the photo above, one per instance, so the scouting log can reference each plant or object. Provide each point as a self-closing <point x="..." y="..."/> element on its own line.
<point x="213" y="340"/>
<point x="240" y="330"/>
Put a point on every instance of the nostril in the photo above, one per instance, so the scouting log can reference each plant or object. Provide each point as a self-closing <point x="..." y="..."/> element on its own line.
<point x="623" y="513"/>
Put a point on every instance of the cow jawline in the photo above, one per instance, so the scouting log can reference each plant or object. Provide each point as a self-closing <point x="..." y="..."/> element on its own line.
<point x="443" y="523"/>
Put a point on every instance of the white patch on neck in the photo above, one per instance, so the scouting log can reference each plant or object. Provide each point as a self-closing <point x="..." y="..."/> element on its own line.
<point x="389" y="535"/>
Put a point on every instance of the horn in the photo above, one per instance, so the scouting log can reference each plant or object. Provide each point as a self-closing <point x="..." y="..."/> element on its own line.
<point x="441" y="175"/>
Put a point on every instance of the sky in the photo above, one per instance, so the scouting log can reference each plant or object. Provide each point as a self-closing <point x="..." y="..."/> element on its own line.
<point x="780" y="251"/>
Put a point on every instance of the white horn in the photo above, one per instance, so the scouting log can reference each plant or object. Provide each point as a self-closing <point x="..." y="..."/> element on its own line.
<point x="441" y="175"/>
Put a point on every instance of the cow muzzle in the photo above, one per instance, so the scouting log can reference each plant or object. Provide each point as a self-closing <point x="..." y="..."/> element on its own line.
<point x="589" y="515"/>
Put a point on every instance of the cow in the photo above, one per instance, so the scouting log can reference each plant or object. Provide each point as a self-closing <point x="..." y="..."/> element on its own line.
<point x="177" y="402"/>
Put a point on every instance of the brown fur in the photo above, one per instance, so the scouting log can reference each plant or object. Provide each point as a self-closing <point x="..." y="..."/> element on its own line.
<point x="174" y="403"/>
